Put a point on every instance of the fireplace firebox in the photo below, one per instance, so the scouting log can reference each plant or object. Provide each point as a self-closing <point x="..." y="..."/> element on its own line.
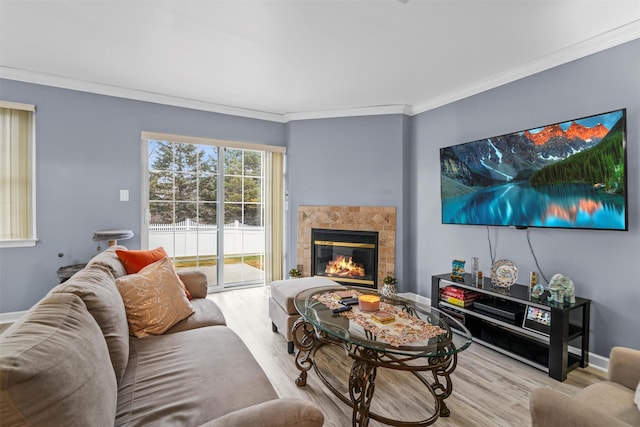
<point x="348" y="257"/>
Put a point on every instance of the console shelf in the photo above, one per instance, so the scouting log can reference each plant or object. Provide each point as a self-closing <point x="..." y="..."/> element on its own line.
<point x="496" y="320"/>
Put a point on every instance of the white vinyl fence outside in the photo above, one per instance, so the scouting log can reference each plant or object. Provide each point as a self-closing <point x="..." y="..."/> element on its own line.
<point x="190" y="239"/>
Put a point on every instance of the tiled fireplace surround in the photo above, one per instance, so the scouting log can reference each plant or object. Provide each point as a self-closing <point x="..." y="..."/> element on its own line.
<point x="370" y="218"/>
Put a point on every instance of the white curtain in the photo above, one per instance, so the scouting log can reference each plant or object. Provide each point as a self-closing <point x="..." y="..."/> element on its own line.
<point x="16" y="175"/>
<point x="274" y="217"/>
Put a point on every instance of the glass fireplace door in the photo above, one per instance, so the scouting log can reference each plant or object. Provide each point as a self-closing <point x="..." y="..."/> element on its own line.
<point x="348" y="257"/>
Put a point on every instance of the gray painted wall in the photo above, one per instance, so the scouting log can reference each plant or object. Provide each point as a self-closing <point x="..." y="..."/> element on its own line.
<point x="603" y="265"/>
<point x="88" y="148"/>
<point x="350" y="161"/>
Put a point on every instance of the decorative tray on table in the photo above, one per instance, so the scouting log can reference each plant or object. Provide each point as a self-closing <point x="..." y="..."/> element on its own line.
<point x="389" y="323"/>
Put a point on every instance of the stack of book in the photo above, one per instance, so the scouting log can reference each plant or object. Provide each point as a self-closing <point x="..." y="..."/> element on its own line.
<point x="458" y="296"/>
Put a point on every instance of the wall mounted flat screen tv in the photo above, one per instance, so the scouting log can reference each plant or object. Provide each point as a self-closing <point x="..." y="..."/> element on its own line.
<point x="565" y="175"/>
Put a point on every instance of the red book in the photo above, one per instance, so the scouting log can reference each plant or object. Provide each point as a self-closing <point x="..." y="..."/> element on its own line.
<point x="458" y="293"/>
<point x="466" y="295"/>
<point x="453" y="291"/>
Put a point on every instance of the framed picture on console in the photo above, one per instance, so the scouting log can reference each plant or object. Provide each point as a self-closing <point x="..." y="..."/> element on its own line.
<point x="537" y="320"/>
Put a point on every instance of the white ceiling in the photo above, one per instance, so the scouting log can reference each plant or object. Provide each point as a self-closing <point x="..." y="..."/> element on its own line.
<point x="281" y="60"/>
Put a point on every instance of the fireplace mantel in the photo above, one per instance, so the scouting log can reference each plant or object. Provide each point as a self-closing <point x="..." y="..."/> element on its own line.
<point x="371" y="218"/>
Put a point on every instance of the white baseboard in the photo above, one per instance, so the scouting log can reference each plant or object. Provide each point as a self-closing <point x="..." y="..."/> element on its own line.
<point x="598" y="362"/>
<point x="415" y="297"/>
<point x="11" y="316"/>
<point x="595" y="360"/>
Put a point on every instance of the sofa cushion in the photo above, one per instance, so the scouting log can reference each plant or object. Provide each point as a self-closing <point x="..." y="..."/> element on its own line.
<point x="109" y="259"/>
<point x="96" y="287"/>
<point x="285" y="412"/>
<point x="55" y="368"/>
<point x="613" y="399"/>
<point x="154" y="299"/>
<point x="205" y="313"/>
<point x="167" y="383"/>
<point x="195" y="281"/>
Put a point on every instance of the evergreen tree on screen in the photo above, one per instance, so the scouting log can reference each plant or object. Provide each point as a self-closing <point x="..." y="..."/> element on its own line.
<point x="601" y="165"/>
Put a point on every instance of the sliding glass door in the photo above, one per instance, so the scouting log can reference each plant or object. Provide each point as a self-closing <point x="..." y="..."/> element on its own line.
<point x="244" y="231"/>
<point x="205" y="206"/>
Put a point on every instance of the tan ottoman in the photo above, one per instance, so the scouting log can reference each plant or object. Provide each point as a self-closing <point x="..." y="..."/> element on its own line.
<point x="282" y="310"/>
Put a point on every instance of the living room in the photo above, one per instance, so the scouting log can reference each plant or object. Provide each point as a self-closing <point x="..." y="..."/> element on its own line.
<point x="88" y="149"/>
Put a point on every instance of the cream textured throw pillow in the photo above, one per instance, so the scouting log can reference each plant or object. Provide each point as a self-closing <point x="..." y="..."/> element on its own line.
<point x="153" y="299"/>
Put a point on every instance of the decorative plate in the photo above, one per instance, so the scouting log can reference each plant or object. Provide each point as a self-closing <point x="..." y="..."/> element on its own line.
<point x="504" y="273"/>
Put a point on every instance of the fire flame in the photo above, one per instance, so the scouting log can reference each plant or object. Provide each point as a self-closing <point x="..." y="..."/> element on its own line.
<point x="343" y="267"/>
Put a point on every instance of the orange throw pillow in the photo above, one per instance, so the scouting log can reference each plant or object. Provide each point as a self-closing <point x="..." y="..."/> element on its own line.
<point x="136" y="260"/>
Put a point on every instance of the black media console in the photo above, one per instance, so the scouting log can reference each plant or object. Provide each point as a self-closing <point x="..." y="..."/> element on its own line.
<point x="549" y="336"/>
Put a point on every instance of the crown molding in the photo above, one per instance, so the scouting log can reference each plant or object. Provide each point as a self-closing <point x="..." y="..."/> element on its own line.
<point x="615" y="37"/>
<point x="138" y="95"/>
<point x="612" y="38"/>
<point x="376" y="110"/>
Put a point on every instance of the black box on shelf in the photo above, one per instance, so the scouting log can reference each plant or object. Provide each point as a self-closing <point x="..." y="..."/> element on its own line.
<point x="501" y="308"/>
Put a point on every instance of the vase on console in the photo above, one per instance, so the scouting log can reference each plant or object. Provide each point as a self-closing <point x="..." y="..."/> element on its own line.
<point x="389" y="286"/>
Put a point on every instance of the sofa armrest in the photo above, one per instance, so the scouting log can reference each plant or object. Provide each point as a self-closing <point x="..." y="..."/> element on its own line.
<point x="624" y="366"/>
<point x="550" y="408"/>
<point x="195" y="281"/>
<point x="274" y="413"/>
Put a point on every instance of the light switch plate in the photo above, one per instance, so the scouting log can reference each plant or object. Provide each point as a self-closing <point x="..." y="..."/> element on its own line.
<point x="124" y="195"/>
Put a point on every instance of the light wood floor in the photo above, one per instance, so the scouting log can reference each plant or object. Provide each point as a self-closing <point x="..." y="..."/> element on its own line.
<point x="489" y="389"/>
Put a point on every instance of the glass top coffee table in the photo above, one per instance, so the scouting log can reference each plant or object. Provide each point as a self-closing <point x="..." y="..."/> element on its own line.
<point x="379" y="332"/>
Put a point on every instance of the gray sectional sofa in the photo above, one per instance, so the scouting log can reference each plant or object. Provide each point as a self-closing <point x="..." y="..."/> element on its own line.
<point x="70" y="361"/>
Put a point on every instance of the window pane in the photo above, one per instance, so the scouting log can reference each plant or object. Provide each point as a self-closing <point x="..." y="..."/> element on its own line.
<point x="252" y="190"/>
<point x="186" y="157"/>
<point x="208" y="190"/>
<point x="161" y="156"/>
<point x="232" y="213"/>
<point x="186" y="210"/>
<point x="232" y="161"/>
<point x="209" y="159"/>
<point x="161" y="213"/>
<point x="253" y="214"/>
<point x="253" y="163"/>
<point x="232" y="189"/>
<point x="252" y="242"/>
<point x="208" y="213"/>
<point x="239" y="269"/>
<point x="161" y="186"/>
<point x="186" y="186"/>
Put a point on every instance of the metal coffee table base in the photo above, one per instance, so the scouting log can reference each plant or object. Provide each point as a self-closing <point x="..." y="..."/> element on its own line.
<point x="363" y="374"/>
